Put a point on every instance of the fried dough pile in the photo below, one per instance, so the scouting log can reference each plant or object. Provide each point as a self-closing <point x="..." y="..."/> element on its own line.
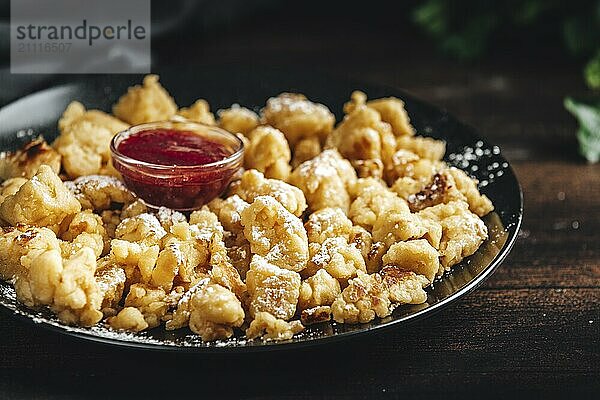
<point x="327" y="221"/>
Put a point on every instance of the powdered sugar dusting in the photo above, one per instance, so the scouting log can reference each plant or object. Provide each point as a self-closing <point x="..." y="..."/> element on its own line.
<point x="94" y="182"/>
<point x="295" y="103"/>
<point x="168" y="217"/>
<point x="149" y="221"/>
<point x="477" y="162"/>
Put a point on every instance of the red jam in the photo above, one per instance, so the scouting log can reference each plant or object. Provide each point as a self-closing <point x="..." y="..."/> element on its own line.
<point x="172" y="147"/>
<point x="177" y="165"/>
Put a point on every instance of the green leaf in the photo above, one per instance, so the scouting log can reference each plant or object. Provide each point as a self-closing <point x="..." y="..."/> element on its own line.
<point x="528" y="11"/>
<point x="581" y="34"/>
<point x="592" y="72"/>
<point x="472" y="40"/>
<point x="432" y="17"/>
<point x="588" y="135"/>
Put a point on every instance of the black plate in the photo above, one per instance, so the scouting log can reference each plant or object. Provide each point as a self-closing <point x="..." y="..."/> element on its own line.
<point x="39" y="113"/>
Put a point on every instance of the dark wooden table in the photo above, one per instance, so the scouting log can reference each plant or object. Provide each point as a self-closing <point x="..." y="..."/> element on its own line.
<point x="533" y="328"/>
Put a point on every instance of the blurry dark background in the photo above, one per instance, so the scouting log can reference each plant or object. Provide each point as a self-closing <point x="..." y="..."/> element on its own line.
<point x="440" y="50"/>
<point x="531" y="331"/>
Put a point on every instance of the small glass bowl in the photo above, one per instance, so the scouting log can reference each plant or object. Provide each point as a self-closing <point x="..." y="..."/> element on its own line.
<point x="179" y="187"/>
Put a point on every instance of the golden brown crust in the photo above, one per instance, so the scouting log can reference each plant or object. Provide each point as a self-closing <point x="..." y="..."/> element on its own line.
<point x="315" y="315"/>
<point x="25" y="162"/>
<point x="414" y="255"/>
<point x="440" y="190"/>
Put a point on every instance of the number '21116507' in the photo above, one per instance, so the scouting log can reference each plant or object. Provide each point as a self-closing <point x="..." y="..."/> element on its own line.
<point x="48" y="47"/>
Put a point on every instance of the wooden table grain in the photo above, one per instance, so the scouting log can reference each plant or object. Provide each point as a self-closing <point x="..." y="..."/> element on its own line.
<point x="533" y="328"/>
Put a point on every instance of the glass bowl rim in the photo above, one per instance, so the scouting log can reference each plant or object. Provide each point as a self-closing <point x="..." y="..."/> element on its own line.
<point x="118" y="156"/>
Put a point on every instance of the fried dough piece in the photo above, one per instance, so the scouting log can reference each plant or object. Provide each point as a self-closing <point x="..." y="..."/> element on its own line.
<point x="424" y="147"/>
<point x="151" y="302"/>
<point x="184" y="258"/>
<point x="144" y="228"/>
<point x="315" y="315"/>
<point x="168" y="217"/>
<point x="169" y="263"/>
<point x="85" y="229"/>
<point x="362" y="135"/>
<point x="441" y="190"/>
<point x="21" y="245"/>
<point x="214" y="312"/>
<point x="238" y="119"/>
<point x="372" y="200"/>
<point x="254" y="184"/>
<point x="137" y="259"/>
<point x="10" y="186"/>
<point x="297" y="117"/>
<point x="111" y="219"/>
<point x="128" y="319"/>
<point x="325" y="181"/>
<point x="26" y="161"/>
<point x="198" y="112"/>
<point x="321" y="289"/>
<point x="84" y="149"/>
<point x="339" y="258"/>
<point x="272" y="289"/>
<point x="268" y="152"/>
<point x="479" y="203"/>
<point x="99" y="192"/>
<point x="462" y="231"/>
<point x="417" y="256"/>
<point x="363" y="241"/>
<point x="133" y="209"/>
<point x="76" y="113"/>
<point x="67" y="285"/>
<point x="395" y="226"/>
<point x="275" y="233"/>
<point x="229" y="211"/>
<point x="372" y="168"/>
<point x="365" y="298"/>
<point x="41" y="201"/>
<point x="269" y="327"/>
<point x="404" y="287"/>
<point x="222" y="270"/>
<point x="392" y="111"/>
<point x="84" y="140"/>
<point x="328" y="223"/>
<point x="147" y="103"/>
<point x="111" y="283"/>
<point x="408" y="173"/>
<point x="181" y="315"/>
<point x="205" y="219"/>
<point x="306" y="149"/>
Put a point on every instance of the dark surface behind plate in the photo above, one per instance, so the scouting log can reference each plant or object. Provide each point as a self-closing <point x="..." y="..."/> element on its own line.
<point x="38" y="114"/>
